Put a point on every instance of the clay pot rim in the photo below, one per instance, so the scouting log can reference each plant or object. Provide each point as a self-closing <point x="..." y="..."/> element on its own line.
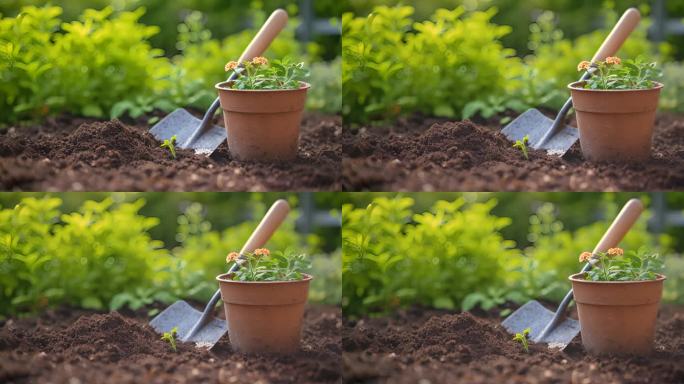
<point x="576" y="278"/>
<point x="221" y="279"/>
<point x="221" y="87"/>
<point x="573" y="86"/>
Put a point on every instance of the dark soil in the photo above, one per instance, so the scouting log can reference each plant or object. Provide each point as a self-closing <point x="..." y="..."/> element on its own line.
<point x="431" y="346"/>
<point x="74" y="154"/>
<point x="82" y="347"/>
<point x="429" y="155"/>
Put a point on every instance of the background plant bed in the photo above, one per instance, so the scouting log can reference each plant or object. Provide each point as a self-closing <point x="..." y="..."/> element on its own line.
<point x="65" y="344"/>
<point x="83" y="154"/>
<point x="446" y="347"/>
<point x="424" y="154"/>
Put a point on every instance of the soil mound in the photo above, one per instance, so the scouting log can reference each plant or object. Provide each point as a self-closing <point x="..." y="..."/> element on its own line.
<point x="429" y="345"/>
<point x="460" y="336"/>
<point x="75" y="154"/>
<point x="108" y="337"/>
<point x="106" y="144"/>
<point x="423" y="155"/>
<point x="456" y="337"/>
<point x="66" y="346"/>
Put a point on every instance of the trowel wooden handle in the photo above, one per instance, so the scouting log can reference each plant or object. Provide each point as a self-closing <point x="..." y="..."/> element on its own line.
<point x="268" y="225"/>
<point x="268" y="32"/>
<point x="627" y="23"/>
<point x="620" y="226"/>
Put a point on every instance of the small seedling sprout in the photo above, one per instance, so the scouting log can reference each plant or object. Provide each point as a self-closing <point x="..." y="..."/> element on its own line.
<point x="170" y="337"/>
<point x="170" y="144"/>
<point x="522" y="338"/>
<point x="522" y="145"/>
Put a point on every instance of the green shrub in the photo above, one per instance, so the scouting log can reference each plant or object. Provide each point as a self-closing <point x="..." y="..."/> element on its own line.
<point x="453" y="256"/>
<point x="23" y="43"/>
<point x="85" y="67"/>
<point x="84" y="258"/>
<point x="452" y="65"/>
<point x="102" y="256"/>
<point x="103" y="65"/>
<point x="393" y="257"/>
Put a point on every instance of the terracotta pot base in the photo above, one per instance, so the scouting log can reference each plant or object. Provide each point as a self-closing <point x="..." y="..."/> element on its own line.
<point x="262" y="125"/>
<point x="617" y="317"/>
<point x="615" y="125"/>
<point x="264" y="317"/>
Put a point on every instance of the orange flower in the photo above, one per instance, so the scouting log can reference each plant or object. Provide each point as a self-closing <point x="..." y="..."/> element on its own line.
<point x="584" y="256"/>
<point x="233" y="256"/>
<point x="584" y="65"/>
<point x="615" y="252"/>
<point x="261" y="252"/>
<point x="259" y="60"/>
<point x="231" y="65"/>
<point x="613" y="60"/>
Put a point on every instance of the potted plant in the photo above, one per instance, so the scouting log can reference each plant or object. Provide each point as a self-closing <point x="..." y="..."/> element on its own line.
<point x="264" y="300"/>
<point x="615" y="109"/>
<point x="262" y="108"/>
<point x="617" y="301"/>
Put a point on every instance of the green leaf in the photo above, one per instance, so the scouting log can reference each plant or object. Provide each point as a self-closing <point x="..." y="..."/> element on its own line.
<point x="91" y="302"/>
<point x="120" y="108"/>
<point x="444" y="110"/>
<point x="92" y="110"/>
<point x="443" y="302"/>
<point x="119" y="301"/>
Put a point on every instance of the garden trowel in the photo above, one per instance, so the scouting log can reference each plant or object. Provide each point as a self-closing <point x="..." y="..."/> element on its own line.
<point x="203" y="328"/>
<point x="555" y="329"/>
<point x="201" y="135"/>
<point x="554" y="135"/>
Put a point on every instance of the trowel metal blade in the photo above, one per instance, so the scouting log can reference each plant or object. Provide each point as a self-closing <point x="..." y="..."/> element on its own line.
<point x="181" y="315"/>
<point x="533" y="315"/>
<point x="534" y="124"/>
<point x="182" y="124"/>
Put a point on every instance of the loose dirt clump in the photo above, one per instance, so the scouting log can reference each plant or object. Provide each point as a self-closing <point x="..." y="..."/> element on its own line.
<point x="78" y="154"/>
<point x="111" y="348"/>
<point x="428" y="154"/>
<point x="436" y="346"/>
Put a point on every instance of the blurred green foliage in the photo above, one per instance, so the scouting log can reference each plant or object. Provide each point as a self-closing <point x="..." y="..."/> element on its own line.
<point x="104" y="64"/>
<point x="399" y="251"/>
<point x="102" y="255"/>
<point x="221" y="17"/>
<point x="97" y="61"/>
<point x="95" y="254"/>
<point x="460" y="63"/>
<point x="450" y="65"/>
<point x="394" y="257"/>
<point x="672" y="95"/>
<point x="573" y="17"/>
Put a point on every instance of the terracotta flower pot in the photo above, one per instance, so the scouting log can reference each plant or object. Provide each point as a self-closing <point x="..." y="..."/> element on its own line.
<point x="264" y="316"/>
<point x="262" y="125"/>
<point x="615" y="125"/>
<point x="617" y="317"/>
